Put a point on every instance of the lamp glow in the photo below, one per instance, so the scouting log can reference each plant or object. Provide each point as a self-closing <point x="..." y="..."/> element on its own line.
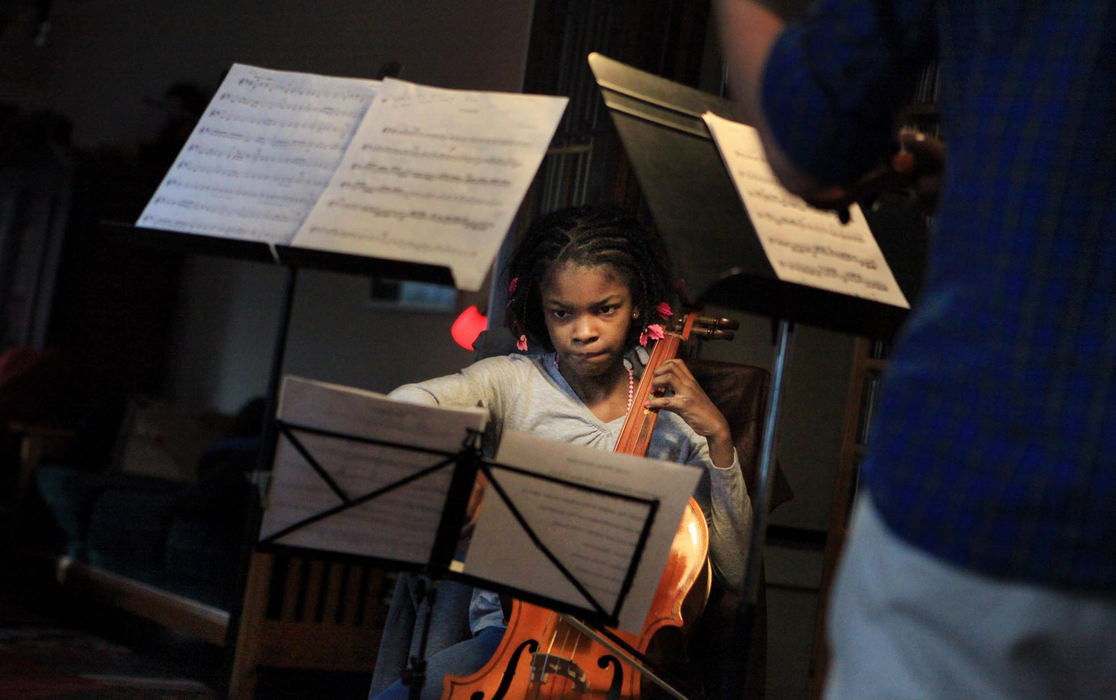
<point x="467" y="326"/>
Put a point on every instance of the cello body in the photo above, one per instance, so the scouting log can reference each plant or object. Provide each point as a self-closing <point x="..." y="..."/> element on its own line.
<point x="543" y="656"/>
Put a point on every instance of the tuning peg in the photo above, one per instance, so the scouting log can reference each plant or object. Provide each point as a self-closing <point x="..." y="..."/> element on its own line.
<point x="712" y="334"/>
<point x="718" y="323"/>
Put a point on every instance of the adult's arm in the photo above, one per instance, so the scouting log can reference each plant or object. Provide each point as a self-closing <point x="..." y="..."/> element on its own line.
<point x="823" y="92"/>
<point x="747" y="32"/>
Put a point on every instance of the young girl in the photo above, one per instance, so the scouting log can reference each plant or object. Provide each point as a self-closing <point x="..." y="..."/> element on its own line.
<point x="586" y="287"/>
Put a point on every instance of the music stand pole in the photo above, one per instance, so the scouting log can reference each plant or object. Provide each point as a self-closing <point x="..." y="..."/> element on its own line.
<point x="746" y="614"/>
<point x="268" y="438"/>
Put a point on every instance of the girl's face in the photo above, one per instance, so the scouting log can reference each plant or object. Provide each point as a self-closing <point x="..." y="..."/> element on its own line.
<point x="588" y="311"/>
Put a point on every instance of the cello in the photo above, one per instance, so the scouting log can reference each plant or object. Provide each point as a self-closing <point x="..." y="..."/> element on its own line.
<point x="546" y="654"/>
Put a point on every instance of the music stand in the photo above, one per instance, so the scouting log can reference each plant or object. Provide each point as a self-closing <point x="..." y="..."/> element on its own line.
<point x="720" y="259"/>
<point x="351" y="462"/>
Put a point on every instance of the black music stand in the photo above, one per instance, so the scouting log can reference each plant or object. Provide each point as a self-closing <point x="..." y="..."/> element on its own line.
<point x="309" y="471"/>
<point x="719" y="257"/>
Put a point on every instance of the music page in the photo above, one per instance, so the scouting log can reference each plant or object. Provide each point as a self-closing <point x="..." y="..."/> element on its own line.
<point x="260" y="156"/>
<point x="434" y="176"/>
<point x="324" y="464"/>
<point x="804" y="245"/>
<point x="593" y="534"/>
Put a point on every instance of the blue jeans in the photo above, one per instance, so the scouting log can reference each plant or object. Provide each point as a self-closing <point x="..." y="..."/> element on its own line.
<point x="451" y="649"/>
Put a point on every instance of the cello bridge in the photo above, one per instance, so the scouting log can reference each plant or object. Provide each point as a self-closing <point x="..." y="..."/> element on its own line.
<point x="544" y="665"/>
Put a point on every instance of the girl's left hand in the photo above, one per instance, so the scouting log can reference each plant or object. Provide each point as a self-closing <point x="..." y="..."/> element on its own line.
<point x="677" y="391"/>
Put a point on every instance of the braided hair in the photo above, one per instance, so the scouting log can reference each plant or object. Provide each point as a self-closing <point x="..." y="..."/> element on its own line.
<point x="590" y="236"/>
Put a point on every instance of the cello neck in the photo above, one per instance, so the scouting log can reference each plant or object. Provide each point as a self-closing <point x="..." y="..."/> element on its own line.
<point x="635" y="434"/>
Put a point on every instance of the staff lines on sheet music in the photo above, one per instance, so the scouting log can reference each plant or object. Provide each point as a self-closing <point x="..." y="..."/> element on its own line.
<point x="467" y="179"/>
<point x="191" y="205"/>
<point x="418" y="133"/>
<point x="277" y="143"/>
<point x="240" y="192"/>
<point x="824" y="271"/>
<point x="758" y="157"/>
<point x="604" y="556"/>
<point x="603" y="581"/>
<point x="777" y="197"/>
<point x="443" y="155"/>
<point x="268" y="84"/>
<point x="766" y="178"/>
<point x="415" y="214"/>
<point x="602" y="584"/>
<point x="585" y="524"/>
<point x="821" y="250"/>
<point x="385" y="238"/>
<point x="194" y="226"/>
<point x="273" y="122"/>
<point x="248" y="175"/>
<point x="258" y="156"/>
<point x="353" y="533"/>
<point x="352" y="528"/>
<point x="311" y="107"/>
<point x="617" y="517"/>
<point x="418" y="194"/>
<point x="802" y="223"/>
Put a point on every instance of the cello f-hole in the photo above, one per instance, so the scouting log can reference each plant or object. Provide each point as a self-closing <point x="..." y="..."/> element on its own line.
<point x="617" y="685"/>
<point x="509" y="671"/>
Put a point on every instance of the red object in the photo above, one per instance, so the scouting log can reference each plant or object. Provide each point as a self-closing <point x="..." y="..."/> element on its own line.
<point x="467" y="326"/>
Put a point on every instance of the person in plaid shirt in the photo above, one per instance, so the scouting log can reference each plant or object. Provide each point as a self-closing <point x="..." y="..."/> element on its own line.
<point x="982" y="552"/>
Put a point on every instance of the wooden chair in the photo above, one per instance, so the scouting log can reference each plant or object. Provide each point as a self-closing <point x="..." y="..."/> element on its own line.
<point x="307" y="612"/>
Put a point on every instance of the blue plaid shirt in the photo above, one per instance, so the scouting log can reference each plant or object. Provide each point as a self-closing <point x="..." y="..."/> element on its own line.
<point x="995" y="446"/>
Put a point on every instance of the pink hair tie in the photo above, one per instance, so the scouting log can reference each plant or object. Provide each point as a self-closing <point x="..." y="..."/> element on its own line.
<point x="652" y="332"/>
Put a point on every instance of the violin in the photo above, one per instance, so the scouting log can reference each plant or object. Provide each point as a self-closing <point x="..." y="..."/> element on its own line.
<point x="545" y="654"/>
<point x="914" y="170"/>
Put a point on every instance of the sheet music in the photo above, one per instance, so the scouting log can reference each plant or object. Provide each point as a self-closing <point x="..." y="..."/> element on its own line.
<point x="434" y="176"/>
<point x="804" y="245"/>
<point x="592" y="535"/>
<point x="260" y="156"/>
<point x="400" y="525"/>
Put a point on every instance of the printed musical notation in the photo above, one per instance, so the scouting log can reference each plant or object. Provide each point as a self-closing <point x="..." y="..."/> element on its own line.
<point x="398" y="525"/>
<point x="260" y="156"/>
<point x="449" y="167"/>
<point x="575" y="525"/>
<point x="391" y="170"/>
<point x="804" y="245"/>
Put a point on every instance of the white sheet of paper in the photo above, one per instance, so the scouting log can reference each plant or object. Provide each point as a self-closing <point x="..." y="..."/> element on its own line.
<point x="400" y="525"/>
<point x="592" y="535"/>
<point x="434" y="176"/>
<point x="804" y="245"/>
<point x="260" y="155"/>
